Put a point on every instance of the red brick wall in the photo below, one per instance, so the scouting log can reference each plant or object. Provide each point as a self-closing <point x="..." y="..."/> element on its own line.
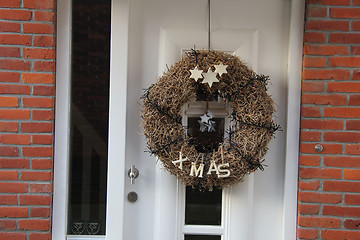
<point x="329" y="186"/>
<point x="27" y="67"/>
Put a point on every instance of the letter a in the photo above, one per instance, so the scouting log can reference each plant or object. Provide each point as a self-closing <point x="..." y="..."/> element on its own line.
<point x="198" y="172"/>
<point x="213" y="168"/>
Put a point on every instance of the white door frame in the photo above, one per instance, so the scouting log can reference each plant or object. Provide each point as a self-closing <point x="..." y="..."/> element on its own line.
<point x="117" y="124"/>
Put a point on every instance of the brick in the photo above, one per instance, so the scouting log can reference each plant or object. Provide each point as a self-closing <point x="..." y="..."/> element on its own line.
<point x="328" y="148"/>
<point x="338" y="186"/>
<point x="355" y="50"/>
<point x="9" y="52"/>
<point x="354" y="100"/>
<point x="42" y="139"/>
<point x="37" y="151"/>
<point x="310" y="86"/>
<point x="308" y="209"/>
<point x="356" y="2"/>
<point x="313" y="11"/>
<point x="8" y="199"/>
<point x="14" y="114"/>
<point x="321" y="124"/>
<point x="352" y="224"/>
<point x="325" y="25"/>
<point x="15" y="139"/>
<point x="344" y="61"/>
<point x="38" y="78"/>
<point x="345" y="13"/>
<point x="310" y="136"/>
<point x="12" y="235"/>
<point x="9" y="77"/>
<point x="9" y="102"/>
<point x="329" y="2"/>
<point x="14" y="89"/>
<point x="44" y="16"/>
<point x="11" y="187"/>
<point x="339" y="234"/>
<point x="344" y="38"/>
<point x="40" y="212"/>
<point x="341" y="161"/>
<point x="15" y="39"/>
<point x="38" y="102"/>
<point x="40" y="188"/>
<point x="341" y="211"/>
<point x="8" y="126"/>
<point x="39" y="236"/>
<point x="352" y="149"/>
<point x="39" y="28"/>
<point x="34" y="127"/>
<point x="6" y="151"/>
<point x="43" y="115"/>
<point x="326" y="74"/>
<point x="323" y="222"/>
<point x="12" y="64"/>
<point x="14" y="163"/>
<point x="44" y="90"/>
<point x="33" y="224"/>
<point x="352" y="174"/>
<point x="352" y="199"/>
<point x="38" y="53"/>
<point x="44" y="4"/>
<point x="353" y="125"/>
<point x="18" y="212"/>
<point x="37" y="200"/>
<point x="352" y="87"/>
<point x="356" y="74"/>
<point x="342" y="137"/>
<point x="14" y="14"/>
<point x="314" y="61"/>
<point x="310" y="112"/>
<point x="325" y="50"/>
<point x="44" y="66"/>
<point x="314" y="197"/>
<point x="327" y="173"/>
<point x="355" y="26"/>
<point x="10" y="3"/>
<point x="309" y="185"/>
<point x="9" y="27"/>
<point x="44" y="41"/>
<point x="314" y="37"/>
<point x="8" y="175"/>
<point x="7" y="224"/>
<point x="342" y="112"/>
<point x="309" y="160"/>
<point x="35" y="176"/>
<point x="303" y="233"/>
<point x="326" y="99"/>
<point x="41" y="164"/>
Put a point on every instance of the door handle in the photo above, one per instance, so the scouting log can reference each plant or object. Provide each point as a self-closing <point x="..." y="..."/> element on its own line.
<point x="133" y="173"/>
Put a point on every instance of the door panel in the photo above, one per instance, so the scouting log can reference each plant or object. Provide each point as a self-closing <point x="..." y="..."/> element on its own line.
<point x="159" y="30"/>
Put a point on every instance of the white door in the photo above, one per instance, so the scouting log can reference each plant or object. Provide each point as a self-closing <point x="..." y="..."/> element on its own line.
<point x="158" y="31"/>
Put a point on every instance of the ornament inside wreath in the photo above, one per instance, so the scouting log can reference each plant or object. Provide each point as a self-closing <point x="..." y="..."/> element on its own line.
<point x="206" y="161"/>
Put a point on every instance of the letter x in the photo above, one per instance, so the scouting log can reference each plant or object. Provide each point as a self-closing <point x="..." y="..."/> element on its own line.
<point x="180" y="161"/>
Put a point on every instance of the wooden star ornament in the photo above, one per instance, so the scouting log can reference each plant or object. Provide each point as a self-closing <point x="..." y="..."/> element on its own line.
<point x="220" y="69"/>
<point x="196" y="73"/>
<point x="210" y="77"/>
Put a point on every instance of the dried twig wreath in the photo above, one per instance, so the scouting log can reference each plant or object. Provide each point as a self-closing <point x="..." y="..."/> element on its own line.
<point x="205" y="75"/>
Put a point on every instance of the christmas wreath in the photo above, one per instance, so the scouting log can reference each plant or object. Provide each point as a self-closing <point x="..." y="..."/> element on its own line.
<point x="205" y="76"/>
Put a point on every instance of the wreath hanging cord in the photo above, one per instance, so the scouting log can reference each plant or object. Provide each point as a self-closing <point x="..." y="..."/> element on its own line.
<point x="203" y="75"/>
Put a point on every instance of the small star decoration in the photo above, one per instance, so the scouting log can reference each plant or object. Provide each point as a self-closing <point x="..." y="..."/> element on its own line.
<point x="220" y="69"/>
<point x="206" y="124"/>
<point x="210" y="77"/>
<point x="196" y="73"/>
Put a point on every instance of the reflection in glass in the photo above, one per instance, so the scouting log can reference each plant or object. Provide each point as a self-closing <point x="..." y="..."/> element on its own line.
<point x="203" y="207"/>
<point x="202" y="237"/>
<point x="90" y="69"/>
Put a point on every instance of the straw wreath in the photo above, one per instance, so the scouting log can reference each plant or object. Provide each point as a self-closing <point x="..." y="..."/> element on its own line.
<point x="246" y="139"/>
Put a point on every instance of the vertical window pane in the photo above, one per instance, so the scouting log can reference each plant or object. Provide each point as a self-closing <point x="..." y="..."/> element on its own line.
<point x="89" y="116"/>
<point x="202" y="237"/>
<point x="203" y="207"/>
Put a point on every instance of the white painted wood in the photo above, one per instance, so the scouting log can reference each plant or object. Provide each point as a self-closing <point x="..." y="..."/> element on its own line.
<point x="62" y="108"/>
<point x="157" y="189"/>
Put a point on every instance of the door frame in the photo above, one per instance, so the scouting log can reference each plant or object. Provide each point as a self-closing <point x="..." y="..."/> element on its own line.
<point x="117" y="122"/>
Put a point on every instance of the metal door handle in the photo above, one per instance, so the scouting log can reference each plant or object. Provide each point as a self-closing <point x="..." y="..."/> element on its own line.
<point x="133" y="173"/>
